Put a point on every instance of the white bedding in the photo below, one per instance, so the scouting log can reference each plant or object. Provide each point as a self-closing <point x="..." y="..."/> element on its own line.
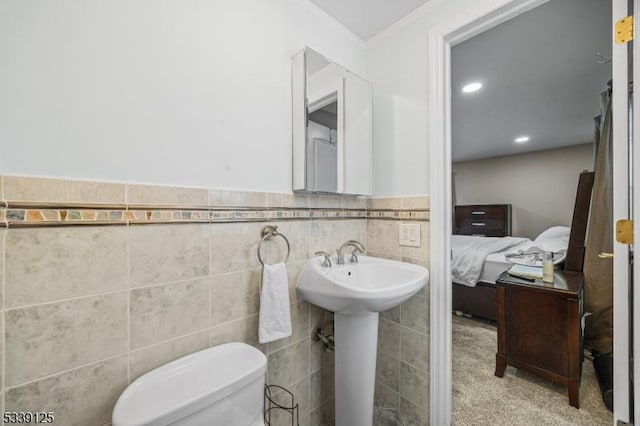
<point x="494" y="265"/>
<point x="469" y="254"/>
<point x="483" y="259"/>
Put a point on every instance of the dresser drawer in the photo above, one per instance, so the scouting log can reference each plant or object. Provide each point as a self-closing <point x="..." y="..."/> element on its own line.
<point x="489" y="220"/>
<point x="476" y="233"/>
<point x="481" y="224"/>
<point x="480" y="212"/>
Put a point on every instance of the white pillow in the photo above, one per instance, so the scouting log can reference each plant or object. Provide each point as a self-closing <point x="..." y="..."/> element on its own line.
<point x="554" y="244"/>
<point x="554" y="232"/>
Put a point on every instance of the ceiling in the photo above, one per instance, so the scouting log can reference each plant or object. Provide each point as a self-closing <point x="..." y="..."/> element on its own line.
<point x="367" y="18"/>
<point x="540" y="78"/>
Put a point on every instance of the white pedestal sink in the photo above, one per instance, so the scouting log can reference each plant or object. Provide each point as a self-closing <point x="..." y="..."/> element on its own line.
<point x="356" y="292"/>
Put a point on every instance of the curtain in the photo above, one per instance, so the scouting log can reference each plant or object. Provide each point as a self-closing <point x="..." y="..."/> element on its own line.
<point x="598" y="273"/>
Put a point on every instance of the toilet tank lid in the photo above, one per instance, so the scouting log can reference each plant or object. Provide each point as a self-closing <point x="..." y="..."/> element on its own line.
<point x="188" y="384"/>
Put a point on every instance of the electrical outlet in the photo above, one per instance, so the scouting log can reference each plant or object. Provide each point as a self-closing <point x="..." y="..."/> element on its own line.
<point x="409" y="235"/>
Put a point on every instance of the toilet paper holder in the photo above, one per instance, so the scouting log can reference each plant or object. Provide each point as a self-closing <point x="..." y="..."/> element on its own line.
<point x="279" y="399"/>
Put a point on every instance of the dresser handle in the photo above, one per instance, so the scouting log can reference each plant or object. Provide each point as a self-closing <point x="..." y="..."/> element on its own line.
<point x="478" y="224"/>
<point x="478" y="213"/>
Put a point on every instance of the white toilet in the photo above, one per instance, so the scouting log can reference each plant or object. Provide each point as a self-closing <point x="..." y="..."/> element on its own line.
<point x="223" y="385"/>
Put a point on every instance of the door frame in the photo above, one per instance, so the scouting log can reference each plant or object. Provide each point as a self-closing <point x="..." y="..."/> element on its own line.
<point x="620" y="153"/>
<point x="636" y="215"/>
<point x="476" y="19"/>
<point x="479" y="17"/>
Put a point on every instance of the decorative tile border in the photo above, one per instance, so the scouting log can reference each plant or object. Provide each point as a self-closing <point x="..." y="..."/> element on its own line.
<point x="415" y="214"/>
<point x="32" y="201"/>
<point x="47" y="214"/>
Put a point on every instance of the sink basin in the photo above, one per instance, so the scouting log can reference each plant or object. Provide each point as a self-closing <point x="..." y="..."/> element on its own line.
<point x="371" y="285"/>
<point x="356" y="292"/>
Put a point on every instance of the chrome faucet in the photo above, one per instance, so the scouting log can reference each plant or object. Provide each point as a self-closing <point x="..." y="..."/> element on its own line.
<point x="357" y="248"/>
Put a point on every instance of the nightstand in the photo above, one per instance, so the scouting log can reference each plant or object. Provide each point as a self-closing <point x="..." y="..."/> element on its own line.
<point x="539" y="328"/>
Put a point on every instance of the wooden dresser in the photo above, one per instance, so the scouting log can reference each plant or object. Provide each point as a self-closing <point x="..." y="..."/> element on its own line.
<point x="489" y="220"/>
<point x="539" y="328"/>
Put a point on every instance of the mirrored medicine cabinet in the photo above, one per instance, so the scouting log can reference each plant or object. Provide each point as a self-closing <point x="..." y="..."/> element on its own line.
<point x="332" y="127"/>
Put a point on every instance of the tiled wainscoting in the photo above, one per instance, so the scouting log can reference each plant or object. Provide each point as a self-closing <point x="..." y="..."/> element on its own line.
<point x="160" y="272"/>
<point x="402" y="380"/>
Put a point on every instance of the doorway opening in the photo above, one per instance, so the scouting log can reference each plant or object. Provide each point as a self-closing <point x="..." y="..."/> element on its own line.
<point x="447" y="187"/>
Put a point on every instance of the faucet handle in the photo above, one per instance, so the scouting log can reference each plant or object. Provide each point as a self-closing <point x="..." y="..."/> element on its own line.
<point x="327" y="259"/>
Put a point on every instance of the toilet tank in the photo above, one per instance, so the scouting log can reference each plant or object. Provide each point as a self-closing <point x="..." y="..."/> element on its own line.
<point x="222" y="385"/>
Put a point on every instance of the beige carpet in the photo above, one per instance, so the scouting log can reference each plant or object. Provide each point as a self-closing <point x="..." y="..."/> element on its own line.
<point x="519" y="398"/>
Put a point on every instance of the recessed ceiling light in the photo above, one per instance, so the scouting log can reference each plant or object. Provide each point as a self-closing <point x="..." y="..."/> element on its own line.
<point x="522" y="139"/>
<point x="472" y="87"/>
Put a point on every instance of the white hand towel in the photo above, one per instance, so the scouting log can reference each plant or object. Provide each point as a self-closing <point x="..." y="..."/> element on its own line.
<point x="275" y="311"/>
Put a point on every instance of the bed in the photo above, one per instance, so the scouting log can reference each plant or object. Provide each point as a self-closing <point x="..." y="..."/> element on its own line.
<point x="478" y="261"/>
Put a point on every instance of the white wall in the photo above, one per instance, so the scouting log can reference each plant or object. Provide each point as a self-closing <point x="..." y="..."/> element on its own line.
<point x="190" y="92"/>
<point x="541" y="186"/>
<point x="397" y="65"/>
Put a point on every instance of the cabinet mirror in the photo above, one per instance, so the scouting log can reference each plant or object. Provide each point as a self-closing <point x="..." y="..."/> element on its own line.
<point x="332" y="127"/>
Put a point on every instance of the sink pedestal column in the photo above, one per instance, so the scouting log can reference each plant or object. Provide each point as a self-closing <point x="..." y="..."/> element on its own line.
<point x="356" y="338"/>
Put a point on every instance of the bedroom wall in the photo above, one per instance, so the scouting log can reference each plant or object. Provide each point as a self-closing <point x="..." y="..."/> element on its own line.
<point x="540" y="186"/>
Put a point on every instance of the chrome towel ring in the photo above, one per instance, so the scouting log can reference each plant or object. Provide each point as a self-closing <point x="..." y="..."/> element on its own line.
<point x="266" y="234"/>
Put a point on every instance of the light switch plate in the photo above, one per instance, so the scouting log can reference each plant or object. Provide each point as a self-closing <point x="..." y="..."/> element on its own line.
<point x="409" y="235"/>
